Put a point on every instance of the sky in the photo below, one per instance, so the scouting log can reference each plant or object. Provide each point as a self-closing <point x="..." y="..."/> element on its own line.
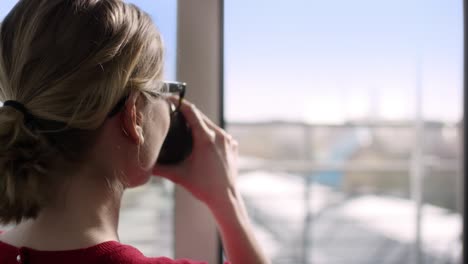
<point x="329" y="61"/>
<point x="335" y="60"/>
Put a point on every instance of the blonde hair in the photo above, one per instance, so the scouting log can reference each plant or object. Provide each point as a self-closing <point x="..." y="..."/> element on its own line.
<point x="68" y="62"/>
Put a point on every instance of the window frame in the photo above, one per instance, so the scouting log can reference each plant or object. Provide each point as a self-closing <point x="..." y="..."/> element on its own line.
<point x="200" y="65"/>
<point x="464" y="177"/>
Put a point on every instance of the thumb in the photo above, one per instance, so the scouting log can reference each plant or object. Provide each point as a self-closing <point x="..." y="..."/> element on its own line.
<point x="171" y="173"/>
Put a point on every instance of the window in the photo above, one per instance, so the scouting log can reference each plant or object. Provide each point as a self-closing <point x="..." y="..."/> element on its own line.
<point x="348" y="115"/>
<point x="5" y="7"/>
<point x="146" y="220"/>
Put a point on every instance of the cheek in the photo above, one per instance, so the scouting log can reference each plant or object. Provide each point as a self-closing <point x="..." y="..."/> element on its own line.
<point x="155" y="131"/>
<point x="157" y="128"/>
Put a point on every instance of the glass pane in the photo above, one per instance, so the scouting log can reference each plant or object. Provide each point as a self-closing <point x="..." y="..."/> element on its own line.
<point x="146" y="218"/>
<point x="348" y="117"/>
<point x="147" y="212"/>
<point x="5" y="7"/>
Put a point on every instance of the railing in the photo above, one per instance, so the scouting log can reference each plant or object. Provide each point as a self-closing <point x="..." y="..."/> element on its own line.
<point x="309" y="169"/>
<point x="298" y="166"/>
<point x="431" y="165"/>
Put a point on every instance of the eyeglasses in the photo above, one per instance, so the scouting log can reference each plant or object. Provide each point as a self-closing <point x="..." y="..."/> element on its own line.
<point x="173" y="88"/>
<point x="167" y="88"/>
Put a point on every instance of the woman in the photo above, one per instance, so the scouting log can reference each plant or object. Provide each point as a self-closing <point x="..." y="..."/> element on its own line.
<point x="65" y="161"/>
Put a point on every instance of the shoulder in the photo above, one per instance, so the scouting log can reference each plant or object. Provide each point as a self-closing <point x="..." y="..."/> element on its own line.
<point x="105" y="253"/>
<point x="130" y="255"/>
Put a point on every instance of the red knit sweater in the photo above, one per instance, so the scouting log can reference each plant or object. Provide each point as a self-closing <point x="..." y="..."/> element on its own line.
<point x="111" y="252"/>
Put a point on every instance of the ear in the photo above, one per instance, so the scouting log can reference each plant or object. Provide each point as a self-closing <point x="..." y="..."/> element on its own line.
<point x="132" y="119"/>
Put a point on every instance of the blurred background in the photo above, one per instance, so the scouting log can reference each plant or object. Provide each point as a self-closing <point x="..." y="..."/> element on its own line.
<point x="348" y="115"/>
<point x="349" y="119"/>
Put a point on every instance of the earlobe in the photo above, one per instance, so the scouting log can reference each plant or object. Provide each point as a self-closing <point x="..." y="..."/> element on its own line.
<point x="141" y="138"/>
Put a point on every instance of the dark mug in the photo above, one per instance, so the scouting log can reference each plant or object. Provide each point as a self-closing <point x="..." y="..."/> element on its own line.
<point x="178" y="143"/>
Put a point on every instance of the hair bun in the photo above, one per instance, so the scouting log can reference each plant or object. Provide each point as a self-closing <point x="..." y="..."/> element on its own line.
<point x="24" y="156"/>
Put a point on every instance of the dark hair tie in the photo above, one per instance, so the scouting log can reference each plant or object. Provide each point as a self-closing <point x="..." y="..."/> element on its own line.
<point x="28" y="117"/>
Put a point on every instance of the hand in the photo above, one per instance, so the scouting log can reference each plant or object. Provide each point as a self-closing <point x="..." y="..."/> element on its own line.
<point x="209" y="172"/>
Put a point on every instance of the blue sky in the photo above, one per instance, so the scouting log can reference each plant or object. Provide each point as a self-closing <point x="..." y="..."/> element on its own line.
<point x="328" y="61"/>
<point x="333" y="60"/>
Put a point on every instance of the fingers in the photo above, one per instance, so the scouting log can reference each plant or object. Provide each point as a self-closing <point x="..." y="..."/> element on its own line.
<point x="203" y="127"/>
<point x="171" y="173"/>
<point x="196" y="122"/>
<point x="213" y="126"/>
<point x="221" y="135"/>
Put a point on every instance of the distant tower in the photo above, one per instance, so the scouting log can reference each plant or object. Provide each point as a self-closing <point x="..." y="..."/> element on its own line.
<point x="417" y="164"/>
<point x="374" y="105"/>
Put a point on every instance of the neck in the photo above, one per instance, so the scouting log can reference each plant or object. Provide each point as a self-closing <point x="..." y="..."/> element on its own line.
<point x="86" y="215"/>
